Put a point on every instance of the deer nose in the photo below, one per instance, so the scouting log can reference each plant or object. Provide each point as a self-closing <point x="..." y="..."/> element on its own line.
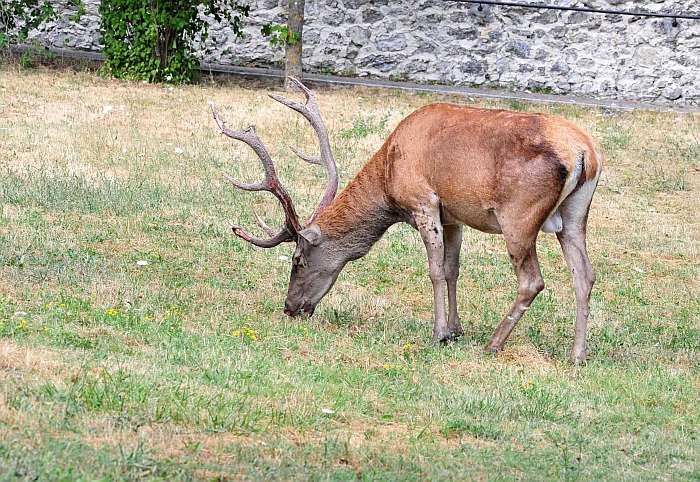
<point x="289" y="311"/>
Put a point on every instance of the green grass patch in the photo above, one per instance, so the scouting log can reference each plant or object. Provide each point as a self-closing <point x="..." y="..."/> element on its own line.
<point x="139" y="339"/>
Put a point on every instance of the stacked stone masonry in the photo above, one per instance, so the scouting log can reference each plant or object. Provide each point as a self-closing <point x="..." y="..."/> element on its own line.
<point x="441" y="41"/>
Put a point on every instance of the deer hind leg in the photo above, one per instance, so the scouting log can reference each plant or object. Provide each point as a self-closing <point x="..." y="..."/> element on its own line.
<point x="427" y="220"/>
<point x="573" y="244"/>
<point x="523" y="255"/>
<point x="453" y="244"/>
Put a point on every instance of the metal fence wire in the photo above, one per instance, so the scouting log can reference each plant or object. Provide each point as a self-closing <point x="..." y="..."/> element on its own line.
<point x="674" y="16"/>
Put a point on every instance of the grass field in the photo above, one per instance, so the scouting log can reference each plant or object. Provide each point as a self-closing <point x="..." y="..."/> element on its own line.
<point x="140" y="339"/>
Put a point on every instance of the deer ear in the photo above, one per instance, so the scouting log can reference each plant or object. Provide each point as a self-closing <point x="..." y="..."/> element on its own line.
<point x="312" y="234"/>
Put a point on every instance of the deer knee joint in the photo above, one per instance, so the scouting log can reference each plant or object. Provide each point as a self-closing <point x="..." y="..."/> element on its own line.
<point x="532" y="288"/>
<point x="451" y="274"/>
<point x="437" y="276"/>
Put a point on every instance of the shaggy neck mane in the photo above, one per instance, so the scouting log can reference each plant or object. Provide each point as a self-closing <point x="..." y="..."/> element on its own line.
<point x="361" y="212"/>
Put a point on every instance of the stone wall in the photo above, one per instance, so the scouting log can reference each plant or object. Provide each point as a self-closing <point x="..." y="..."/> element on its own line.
<point x="440" y="41"/>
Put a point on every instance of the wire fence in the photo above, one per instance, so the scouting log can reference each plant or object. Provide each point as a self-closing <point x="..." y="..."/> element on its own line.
<point x="674" y="16"/>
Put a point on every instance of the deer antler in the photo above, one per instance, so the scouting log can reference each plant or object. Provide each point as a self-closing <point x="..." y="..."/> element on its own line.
<point x="271" y="182"/>
<point x="310" y="111"/>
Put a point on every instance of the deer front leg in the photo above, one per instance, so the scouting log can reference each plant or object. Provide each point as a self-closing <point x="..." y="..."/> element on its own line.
<point x="431" y="230"/>
<point x="453" y="243"/>
<point x="523" y="255"/>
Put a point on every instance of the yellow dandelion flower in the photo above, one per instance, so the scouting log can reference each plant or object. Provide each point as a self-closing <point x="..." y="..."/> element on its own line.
<point x="236" y="333"/>
<point x="253" y="337"/>
<point x="63" y="304"/>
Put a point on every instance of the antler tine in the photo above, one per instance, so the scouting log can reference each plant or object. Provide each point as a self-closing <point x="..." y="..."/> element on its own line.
<point x="306" y="157"/>
<point x="310" y="111"/>
<point x="264" y="225"/>
<point x="270" y="183"/>
<point x="275" y="240"/>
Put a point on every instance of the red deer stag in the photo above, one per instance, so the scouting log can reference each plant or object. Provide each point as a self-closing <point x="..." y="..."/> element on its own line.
<point x="444" y="166"/>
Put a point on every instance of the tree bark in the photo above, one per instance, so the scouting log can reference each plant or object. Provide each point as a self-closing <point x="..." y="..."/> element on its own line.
<point x="295" y="24"/>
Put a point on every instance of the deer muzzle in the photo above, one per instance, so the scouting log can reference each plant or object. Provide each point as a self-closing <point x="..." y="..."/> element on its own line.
<point x="305" y="307"/>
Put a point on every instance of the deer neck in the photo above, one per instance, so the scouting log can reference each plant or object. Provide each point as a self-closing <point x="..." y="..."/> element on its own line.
<point x="361" y="214"/>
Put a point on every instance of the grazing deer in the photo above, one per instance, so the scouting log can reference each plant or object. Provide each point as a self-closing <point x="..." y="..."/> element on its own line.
<point x="444" y="166"/>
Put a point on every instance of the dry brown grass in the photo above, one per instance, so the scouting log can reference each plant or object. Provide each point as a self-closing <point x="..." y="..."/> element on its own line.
<point x="452" y="403"/>
<point x="22" y="361"/>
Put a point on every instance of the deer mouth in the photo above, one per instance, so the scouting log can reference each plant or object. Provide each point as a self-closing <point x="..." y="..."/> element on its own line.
<point x="307" y="309"/>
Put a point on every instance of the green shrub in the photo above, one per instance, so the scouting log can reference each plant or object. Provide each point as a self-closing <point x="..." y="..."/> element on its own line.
<point x="157" y="40"/>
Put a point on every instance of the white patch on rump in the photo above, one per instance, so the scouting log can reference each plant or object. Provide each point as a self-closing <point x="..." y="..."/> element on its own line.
<point x="576" y="205"/>
<point x="573" y="179"/>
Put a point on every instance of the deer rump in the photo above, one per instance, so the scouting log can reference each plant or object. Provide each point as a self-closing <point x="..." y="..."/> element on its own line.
<point x="445" y="166"/>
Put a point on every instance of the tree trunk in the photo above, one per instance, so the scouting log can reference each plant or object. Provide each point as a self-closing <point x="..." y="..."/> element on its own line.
<point x="295" y="24"/>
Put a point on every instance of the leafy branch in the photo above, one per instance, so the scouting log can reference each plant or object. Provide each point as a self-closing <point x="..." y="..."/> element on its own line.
<point x="279" y="34"/>
<point x="157" y="40"/>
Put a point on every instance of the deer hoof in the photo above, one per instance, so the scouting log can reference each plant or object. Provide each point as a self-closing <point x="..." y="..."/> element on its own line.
<point x="456" y="333"/>
<point x="441" y="338"/>
<point x="492" y="349"/>
<point x="578" y="359"/>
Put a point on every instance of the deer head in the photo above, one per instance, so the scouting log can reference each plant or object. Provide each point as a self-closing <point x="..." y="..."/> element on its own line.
<point x="314" y="270"/>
